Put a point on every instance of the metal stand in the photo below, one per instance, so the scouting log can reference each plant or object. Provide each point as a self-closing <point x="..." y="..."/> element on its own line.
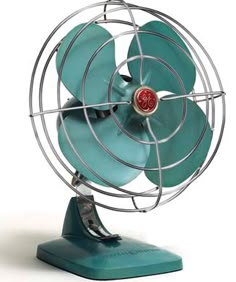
<point x="87" y="249"/>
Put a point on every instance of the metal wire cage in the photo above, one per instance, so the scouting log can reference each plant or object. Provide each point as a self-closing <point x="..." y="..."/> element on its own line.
<point x="208" y="93"/>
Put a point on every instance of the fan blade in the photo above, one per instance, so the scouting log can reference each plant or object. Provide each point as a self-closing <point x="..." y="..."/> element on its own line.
<point x="94" y="155"/>
<point x="165" y="121"/>
<point x="100" y="71"/>
<point x="73" y="103"/>
<point x="156" y="75"/>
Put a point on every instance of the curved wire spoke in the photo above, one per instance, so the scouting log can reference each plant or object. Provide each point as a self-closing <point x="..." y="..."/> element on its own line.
<point x="61" y="110"/>
<point x="159" y="188"/>
<point x="115" y="21"/>
<point x="105" y="9"/>
<point x="214" y="94"/>
<point x="138" y="41"/>
<point x="158" y="163"/>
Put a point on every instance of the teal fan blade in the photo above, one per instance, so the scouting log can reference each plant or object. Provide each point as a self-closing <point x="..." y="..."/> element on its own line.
<point x="100" y="71"/>
<point x="157" y="75"/>
<point x="73" y="103"/>
<point x="165" y="121"/>
<point x="94" y="155"/>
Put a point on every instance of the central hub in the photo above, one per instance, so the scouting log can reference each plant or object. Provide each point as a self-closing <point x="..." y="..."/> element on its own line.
<point x="145" y="101"/>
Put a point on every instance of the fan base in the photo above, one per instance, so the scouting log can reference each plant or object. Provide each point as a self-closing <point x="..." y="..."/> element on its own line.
<point x="80" y="253"/>
<point x="105" y="261"/>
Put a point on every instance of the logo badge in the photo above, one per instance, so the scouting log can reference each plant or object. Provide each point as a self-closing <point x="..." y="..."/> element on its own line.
<point x="145" y="101"/>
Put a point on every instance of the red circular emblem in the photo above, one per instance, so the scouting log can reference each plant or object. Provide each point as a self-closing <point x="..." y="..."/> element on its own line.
<point x="145" y="101"/>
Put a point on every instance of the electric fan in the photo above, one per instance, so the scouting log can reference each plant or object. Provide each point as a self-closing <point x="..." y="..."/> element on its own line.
<point x="156" y="115"/>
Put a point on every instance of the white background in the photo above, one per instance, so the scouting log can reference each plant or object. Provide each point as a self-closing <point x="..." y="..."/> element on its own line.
<point x="199" y="226"/>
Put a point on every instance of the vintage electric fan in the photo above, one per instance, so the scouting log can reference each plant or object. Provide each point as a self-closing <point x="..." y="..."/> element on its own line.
<point x="158" y="119"/>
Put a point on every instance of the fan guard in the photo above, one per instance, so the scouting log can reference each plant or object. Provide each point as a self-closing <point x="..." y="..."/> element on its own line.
<point x="206" y="73"/>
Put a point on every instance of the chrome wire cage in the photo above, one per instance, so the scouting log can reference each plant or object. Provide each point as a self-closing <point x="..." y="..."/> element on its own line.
<point x="210" y="96"/>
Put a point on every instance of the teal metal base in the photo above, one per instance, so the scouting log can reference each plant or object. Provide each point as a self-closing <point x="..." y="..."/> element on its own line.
<point x="81" y="254"/>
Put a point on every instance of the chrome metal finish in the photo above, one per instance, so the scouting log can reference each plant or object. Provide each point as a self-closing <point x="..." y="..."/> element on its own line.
<point x="159" y="166"/>
<point x="76" y="180"/>
<point x="115" y="21"/>
<point x="79" y="108"/>
<point x="215" y="95"/>
<point x="92" y="222"/>
<point x="206" y="73"/>
<point x="138" y="41"/>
